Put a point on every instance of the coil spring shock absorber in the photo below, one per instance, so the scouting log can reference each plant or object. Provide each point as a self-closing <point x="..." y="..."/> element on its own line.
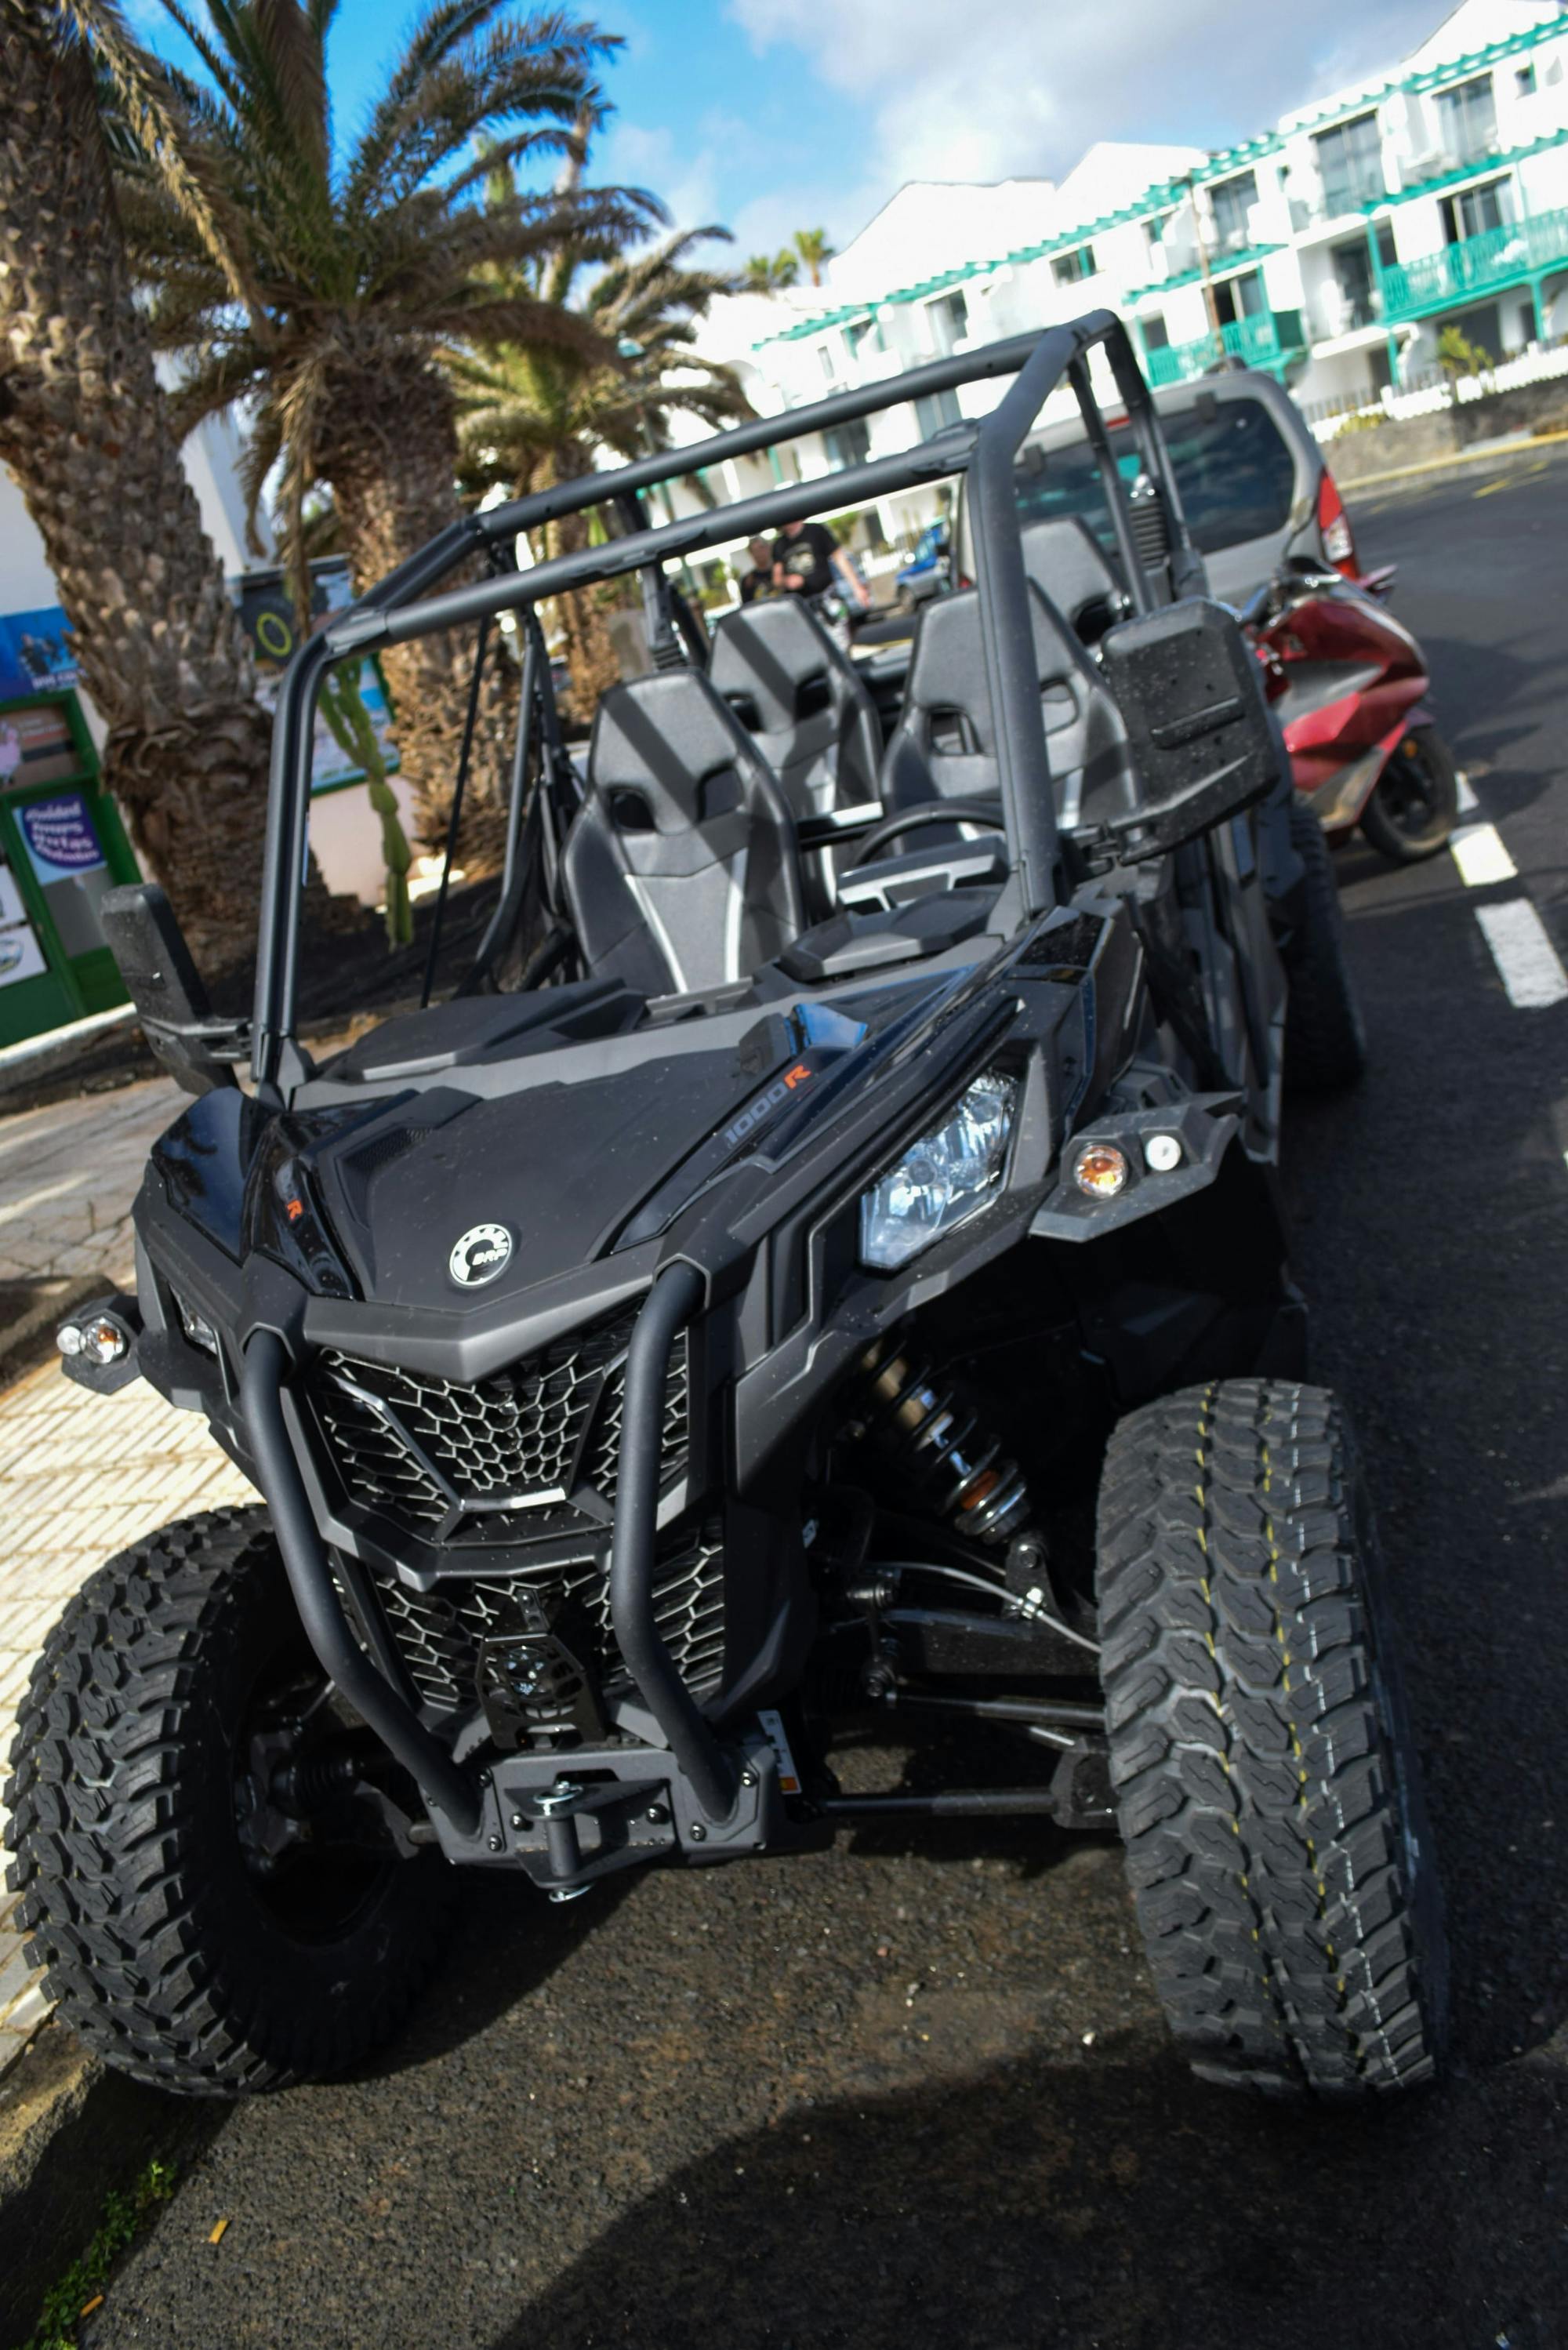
<point x="967" y="1479"/>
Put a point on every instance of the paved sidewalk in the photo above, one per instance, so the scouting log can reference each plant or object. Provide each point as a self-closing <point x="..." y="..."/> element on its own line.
<point x="81" y="1475"/>
<point x="68" y="1174"/>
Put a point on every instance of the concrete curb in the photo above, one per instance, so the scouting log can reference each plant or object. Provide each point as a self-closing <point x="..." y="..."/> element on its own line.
<point x="42" y="1057"/>
<point x="1456" y="461"/>
<point x="70" y="2132"/>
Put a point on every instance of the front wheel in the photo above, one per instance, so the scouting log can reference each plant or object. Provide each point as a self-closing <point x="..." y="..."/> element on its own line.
<point x="212" y="1857"/>
<point x="1416" y="805"/>
<point x="1266" y="1784"/>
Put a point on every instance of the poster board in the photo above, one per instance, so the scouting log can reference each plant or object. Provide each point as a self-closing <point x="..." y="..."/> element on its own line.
<point x="267" y="618"/>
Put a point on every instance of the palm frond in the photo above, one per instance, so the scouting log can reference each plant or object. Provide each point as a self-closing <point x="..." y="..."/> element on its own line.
<point x="156" y="119"/>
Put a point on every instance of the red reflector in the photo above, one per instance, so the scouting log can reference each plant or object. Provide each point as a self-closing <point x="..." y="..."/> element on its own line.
<point x="1338" y="540"/>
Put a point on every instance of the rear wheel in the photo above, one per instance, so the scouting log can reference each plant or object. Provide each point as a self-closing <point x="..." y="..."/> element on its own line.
<point x="1266" y="1785"/>
<point x="212" y="1857"/>
<point x="1417" y="803"/>
<point x="1325" y="1044"/>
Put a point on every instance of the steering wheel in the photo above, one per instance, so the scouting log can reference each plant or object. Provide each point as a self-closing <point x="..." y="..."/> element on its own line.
<point x="984" y="813"/>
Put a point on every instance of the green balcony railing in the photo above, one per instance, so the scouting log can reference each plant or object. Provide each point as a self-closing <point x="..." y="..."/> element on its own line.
<point x="1264" y="341"/>
<point x="1500" y="257"/>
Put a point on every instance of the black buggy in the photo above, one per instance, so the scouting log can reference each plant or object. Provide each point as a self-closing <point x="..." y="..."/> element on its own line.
<point x="840" y="1281"/>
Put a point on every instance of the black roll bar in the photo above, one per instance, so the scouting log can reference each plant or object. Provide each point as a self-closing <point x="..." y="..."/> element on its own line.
<point x="763" y="433"/>
<point x="398" y="611"/>
<point x="442" y="1781"/>
<point x="670" y="1304"/>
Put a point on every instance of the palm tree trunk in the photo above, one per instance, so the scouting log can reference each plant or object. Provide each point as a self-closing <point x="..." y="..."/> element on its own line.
<point x="389" y="450"/>
<point x="84" y="430"/>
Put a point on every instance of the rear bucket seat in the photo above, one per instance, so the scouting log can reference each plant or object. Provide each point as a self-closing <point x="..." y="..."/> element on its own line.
<point x="681" y="870"/>
<point x="944" y="745"/>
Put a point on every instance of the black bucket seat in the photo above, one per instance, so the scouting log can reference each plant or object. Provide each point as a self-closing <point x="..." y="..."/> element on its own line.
<point x="1066" y="560"/>
<point x="944" y="745"/>
<point x="680" y="870"/>
<point x="799" y="699"/>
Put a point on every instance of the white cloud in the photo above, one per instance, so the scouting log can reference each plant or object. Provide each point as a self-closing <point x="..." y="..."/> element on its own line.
<point x="637" y="155"/>
<point x="984" y="89"/>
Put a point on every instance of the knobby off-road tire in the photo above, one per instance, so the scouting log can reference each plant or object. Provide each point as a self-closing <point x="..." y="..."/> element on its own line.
<point x="1407" y="829"/>
<point x="1325" y="1044"/>
<point x="167" y="1955"/>
<point x="1266" y="1787"/>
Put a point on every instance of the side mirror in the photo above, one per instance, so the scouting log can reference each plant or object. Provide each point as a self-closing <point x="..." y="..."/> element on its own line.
<point x="196" y="1047"/>
<point x="1191" y="694"/>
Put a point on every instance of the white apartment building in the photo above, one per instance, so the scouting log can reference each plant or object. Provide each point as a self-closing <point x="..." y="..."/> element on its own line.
<point x="1331" y="250"/>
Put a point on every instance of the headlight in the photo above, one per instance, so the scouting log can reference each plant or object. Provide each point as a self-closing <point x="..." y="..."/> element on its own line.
<point x="947" y="1175"/>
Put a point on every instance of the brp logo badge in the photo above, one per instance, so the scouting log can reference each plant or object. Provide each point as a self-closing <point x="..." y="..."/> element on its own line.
<point x="480" y="1255"/>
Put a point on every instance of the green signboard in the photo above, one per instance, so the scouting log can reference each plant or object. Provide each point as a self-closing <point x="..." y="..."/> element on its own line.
<point x="61" y="847"/>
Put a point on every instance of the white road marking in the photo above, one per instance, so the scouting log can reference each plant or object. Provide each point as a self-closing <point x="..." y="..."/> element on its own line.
<point x="1467" y="800"/>
<point x="1527" y="962"/>
<point x="1478" y="851"/>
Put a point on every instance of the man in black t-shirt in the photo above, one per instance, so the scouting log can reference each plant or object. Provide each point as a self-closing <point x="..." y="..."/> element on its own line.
<point x="806" y="557"/>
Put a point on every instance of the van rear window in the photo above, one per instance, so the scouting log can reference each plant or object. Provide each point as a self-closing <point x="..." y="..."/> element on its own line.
<point x="1234" y="470"/>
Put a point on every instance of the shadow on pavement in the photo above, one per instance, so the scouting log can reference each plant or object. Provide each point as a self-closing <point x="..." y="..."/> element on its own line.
<point x="511" y="1941"/>
<point x="1109" y="2202"/>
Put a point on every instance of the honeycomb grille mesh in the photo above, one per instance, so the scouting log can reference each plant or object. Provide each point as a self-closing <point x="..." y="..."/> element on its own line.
<point x="437" y="1633"/>
<point x="499" y="1460"/>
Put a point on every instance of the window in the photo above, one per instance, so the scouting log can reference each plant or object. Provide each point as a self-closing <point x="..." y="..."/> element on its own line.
<point x="862" y="336"/>
<point x="849" y="443"/>
<point x="1071" y="268"/>
<point x="1235" y="474"/>
<point x="825" y="362"/>
<point x="1154" y="230"/>
<point x="1350" y="159"/>
<point x="1467" y="119"/>
<point x="1240" y="298"/>
<point x="948" y="320"/>
<point x="1156" y="333"/>
<point x="937" y="409"/>
<point x="1524" y="81"/>
<point x="1353" y="272"/>
<point x="1232" y="199"/>
<point x="1388" y="251"/>
<point x="1476" y="211"/>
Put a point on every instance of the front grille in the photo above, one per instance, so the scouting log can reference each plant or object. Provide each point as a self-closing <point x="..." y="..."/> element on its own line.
<point x="437" y="1633"/>
<point x="502" y="1461"/>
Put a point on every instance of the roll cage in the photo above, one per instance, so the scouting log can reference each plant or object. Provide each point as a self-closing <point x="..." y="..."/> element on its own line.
<point x="403" y="607"/>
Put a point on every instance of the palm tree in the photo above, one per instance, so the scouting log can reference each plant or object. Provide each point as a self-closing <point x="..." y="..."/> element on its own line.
<point x="534" y="413"/>
<point x="359" y="261"/>
<point x="85" y="432"/>
<point x="763" y="275"/>
<point x="815" y="250"/>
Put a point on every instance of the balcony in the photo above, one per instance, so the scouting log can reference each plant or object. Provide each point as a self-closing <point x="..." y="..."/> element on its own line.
<point x="1266" y="341"/>
<point x="1476" y="266"/>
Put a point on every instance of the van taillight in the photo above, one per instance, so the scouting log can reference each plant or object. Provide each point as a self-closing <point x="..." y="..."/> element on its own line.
<point x="1334" y="522"/>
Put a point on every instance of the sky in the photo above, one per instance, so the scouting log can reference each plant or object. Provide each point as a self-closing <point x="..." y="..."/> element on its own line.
<point x="772" y="115"/>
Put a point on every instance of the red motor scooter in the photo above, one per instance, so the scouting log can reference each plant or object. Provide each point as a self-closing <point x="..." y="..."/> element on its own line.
<point x="1348" y="685"/>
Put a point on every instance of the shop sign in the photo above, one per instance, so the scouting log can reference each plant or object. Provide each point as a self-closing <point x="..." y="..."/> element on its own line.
<point x="62" y="839"/>
<point x="38" y="653"/>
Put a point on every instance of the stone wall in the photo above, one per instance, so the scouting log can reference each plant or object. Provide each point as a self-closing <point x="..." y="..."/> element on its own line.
<point x="1425" y="440"/>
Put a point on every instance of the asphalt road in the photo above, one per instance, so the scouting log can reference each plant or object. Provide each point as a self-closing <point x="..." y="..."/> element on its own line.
<point x="919" y="2095"/>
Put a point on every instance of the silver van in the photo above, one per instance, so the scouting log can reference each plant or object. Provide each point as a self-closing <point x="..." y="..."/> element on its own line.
<point x="1251" y="479"/>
